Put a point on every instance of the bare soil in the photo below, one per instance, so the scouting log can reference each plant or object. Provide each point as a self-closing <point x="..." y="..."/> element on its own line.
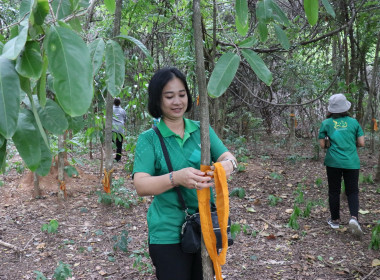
<point x="266" y="248"/>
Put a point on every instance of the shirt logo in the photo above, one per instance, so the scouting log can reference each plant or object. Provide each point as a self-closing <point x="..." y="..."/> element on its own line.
<point x="340" y="124"/>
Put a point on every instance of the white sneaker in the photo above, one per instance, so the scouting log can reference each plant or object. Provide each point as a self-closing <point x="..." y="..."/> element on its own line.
<point x="355" y="227"/>
<point x="333" y="224"/>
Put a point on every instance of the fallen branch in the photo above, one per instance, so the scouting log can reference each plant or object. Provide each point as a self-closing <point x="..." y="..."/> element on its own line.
<point x="8" y="245"/>
<point x="372" y="271"/>
<point x="261" y="218"/>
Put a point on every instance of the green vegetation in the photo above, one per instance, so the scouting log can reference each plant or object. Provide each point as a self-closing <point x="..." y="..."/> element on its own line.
<point x="375" y="237"/>
<point x="51" y="227"/>
<point x="62" y="272"/>
<point x="239" y="192"/>
<point x="121" y="241"/>
<point x="273" y="200"/>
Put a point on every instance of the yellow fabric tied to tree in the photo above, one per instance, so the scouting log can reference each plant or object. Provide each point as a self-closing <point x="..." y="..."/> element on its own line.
<point x="223" y="209"/>
<point x="62" y="187"/>
<point x="375" y="128"/>
<point x="106" y="181"/>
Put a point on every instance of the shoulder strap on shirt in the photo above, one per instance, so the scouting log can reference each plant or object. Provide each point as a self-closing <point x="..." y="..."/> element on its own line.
<point x="170" y="167"/>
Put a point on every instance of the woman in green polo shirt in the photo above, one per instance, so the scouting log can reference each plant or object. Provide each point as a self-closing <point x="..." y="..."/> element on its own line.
<point x="169" y="98"/>
<point x="345" y="135"/>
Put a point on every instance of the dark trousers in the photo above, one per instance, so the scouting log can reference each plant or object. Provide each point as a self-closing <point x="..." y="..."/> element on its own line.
<point x="118" y="139"/>
<point x="173" y="264"/>
<point x="351" y="182"/>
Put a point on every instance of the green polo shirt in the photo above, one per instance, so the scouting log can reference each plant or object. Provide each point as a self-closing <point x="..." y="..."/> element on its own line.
<point x="343" y="133"/>
<point x="165" y="215"/>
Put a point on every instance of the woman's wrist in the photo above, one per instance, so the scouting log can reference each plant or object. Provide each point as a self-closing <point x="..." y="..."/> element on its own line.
<point x="171" y="178"/>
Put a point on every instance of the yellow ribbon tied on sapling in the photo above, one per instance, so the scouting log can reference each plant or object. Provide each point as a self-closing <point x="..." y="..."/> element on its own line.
<point x="223" y="209"/>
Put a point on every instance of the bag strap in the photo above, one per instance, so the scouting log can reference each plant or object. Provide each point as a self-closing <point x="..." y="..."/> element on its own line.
<point x="170" y="167"/>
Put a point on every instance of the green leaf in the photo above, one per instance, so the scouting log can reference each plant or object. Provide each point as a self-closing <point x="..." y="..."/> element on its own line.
<point x="27" y="140"/>
<point x="76" y="124"/>
<point x="39" y="275"/>
<point x="281" y="17"/>
<point x="264" y="12"/>
<point x="29" y="64"/>
<point x="3" y="153"/>
<point x="53" y="118"/>
<point x="263" y="31"/>
<point x="14" y="46"/>
<point x="139" y="44"/>
<point x="76" y="25"/>
<point x="281" y="36"/>
<point x="42" y="83"/>
<point x="70" y="65"/>
<point x="41" y="11"/>
<point x="10" y="92"/>
<point x="96" y="48"/>
<point x="258" y="66"/>
<point x="115" y="67"/>
<point x="71" y="170"/>
<point x="311" y="8"/>
<point x="248" y="43"/>
<point x="110" y="5"/>
<point x="26" y="7"/>
<point x="241" y="20"/>
<point x="242" y="29"/>
<point x="329" y="8"/>
<point x="61" y="8"/>
<point x="46" y="157"/>
<point x="223" y="74"/>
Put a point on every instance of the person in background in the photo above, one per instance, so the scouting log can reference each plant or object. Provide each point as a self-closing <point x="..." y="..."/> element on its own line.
<point x="345" y="135"/>
<point x="118" y="121"/>
<point x="169" y="98"/>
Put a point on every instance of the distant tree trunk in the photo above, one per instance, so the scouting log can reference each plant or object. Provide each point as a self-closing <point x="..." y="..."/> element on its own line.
<point x="205" y="137"/>
<point x="109" y="103"/>
<point x="61" y="164"/>
<point x="292" y="132"/>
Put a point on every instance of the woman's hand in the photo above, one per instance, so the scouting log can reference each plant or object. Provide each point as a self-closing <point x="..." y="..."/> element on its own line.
<point x="192" y="178"/>
<point x="226" y="161"/>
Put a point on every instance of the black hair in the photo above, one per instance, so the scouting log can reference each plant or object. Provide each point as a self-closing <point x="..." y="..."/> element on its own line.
<point x="116" y="101"/>
<point x="337" y="115"/>
<point x="156" y="85"/>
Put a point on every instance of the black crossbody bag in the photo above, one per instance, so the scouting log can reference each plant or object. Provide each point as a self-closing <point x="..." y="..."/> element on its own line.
<point x="191" y="228"/>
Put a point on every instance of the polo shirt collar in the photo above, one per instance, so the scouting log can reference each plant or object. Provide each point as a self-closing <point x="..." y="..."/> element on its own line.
<point x="189" y="128"/>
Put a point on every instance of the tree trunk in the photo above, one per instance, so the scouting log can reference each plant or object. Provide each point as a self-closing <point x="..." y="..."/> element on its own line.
<point x="203" y="98"/>
<point x="109" y="103"/>
<point x="61" y="164"/>
<point x="292" y="132"/>
<point x="36" y="184"/>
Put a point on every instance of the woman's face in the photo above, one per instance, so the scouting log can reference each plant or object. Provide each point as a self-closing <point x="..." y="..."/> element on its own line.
<point x="174" y="99"/>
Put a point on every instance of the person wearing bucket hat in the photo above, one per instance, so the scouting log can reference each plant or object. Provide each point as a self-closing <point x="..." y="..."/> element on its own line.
<point x="342" y="160"/>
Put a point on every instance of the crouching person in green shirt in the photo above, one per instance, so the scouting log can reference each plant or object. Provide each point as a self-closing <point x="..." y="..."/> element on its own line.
<point x="345" y="135"/>
<point x="169" y="98"/>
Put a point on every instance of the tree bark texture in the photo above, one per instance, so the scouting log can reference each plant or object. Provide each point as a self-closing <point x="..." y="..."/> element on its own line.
<point x="204" y="115"/>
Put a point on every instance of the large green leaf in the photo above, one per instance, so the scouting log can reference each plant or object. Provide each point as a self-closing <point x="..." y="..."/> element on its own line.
<point x="311" y="8"/>
<point x="70" y="65"/>
<point x="241" y="8"/>
<point x="26" y="7"/>
<point x="2" y="140"/>
<point x="110" y="5"/>
<point x="258" y="66"/>
<point x="138" y="44"/>
<point x="263" y="11"/>
<point x="46" y="157"/>
<point x="248" y="42"/>
<point x="41" y="11"/>
<point x="242" y="29"/>
<point x="76" y="124"/>
<point x="263" y="31"/>
<point x="328" y="8"/>
<point x="42" y="83"/>
<point x="115" y="67"/>
<point x="3" y="154"/>
<point x="61" y="8"/>
<point x="279" y="15"/>
<point x="29" y="64"/>
<point x="96" y="53"/>
<point x="14" y="46"/>
<point x="53" y="118"/>
<point x="281" y="36"/>
<point x="223" y="74"/>
<point x="10" y="92"/>
<point x="27" y="140"/>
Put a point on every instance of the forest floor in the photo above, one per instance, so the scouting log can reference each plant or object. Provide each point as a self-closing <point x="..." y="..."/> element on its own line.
<point x="266" y="248"/>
